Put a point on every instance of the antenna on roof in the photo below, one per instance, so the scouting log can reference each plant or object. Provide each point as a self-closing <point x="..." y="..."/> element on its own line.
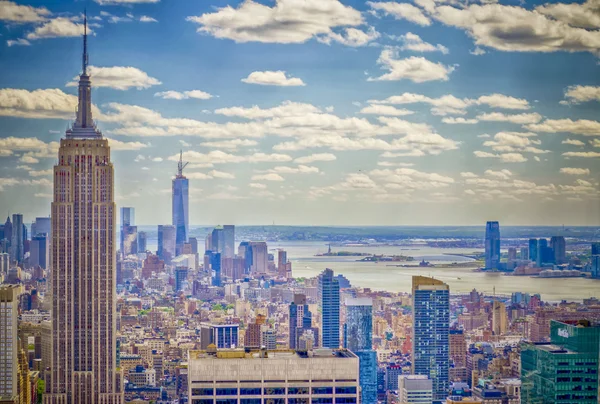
<point x="85" y="54"/>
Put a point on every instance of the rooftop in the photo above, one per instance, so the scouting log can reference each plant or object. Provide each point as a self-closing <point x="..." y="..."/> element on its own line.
<point x="272" y="354"/>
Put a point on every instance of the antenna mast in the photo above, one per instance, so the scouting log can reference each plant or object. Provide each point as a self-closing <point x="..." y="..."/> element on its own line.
<point x="85" y="54"/>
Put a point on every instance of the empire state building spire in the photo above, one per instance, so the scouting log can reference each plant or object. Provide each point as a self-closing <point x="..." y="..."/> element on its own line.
<point x="84" y="125"/>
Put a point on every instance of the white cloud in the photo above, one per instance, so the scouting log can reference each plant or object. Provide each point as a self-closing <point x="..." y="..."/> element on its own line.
<point x="197" y="176"/>
<point x="579" y="94"/>
<point x="41" y="173"/>
<point x="57" y="27"/>
<point x="582" y="154"/>
<point x="34" y="146"/>
<point x="515" y="142"/>
<point x="184" y="95"/>
<point x="220" y="157"/>
<point x="13" y="12"/>
<point x="521" y="119"/>
<point x="300" y="169"/>
<point x="118" y="145"/>
<point x="453" y="121"/>
<point x="416" y="69"/>
<point x="573" y="142"/>
<point x="379" y="109"/>
<point x="505" y="157"/>
<point x="584" y="15"/>
<point x="575" y="171"/>
<point x="580" y="127"/>
<point x="145" y="18"/>
<point x="286" y="109"/>
<point x="409" y="178"/>
<point x="477" y="51"/>
<point x="403" y="11"/>
<point x="267" y="177"/>
<point x="288" y="21"/>
<point x="351" y="37"/>
<point x="502" y="174"/>
<point x="413" y="42"/>
<point x="315" y="157"/>
<point x="118" y="77"/>
<point x="444" y="105"/>
<point x="221" y="175"/>
<point x="230" y="144"/>
<point x="257" y="185"/>
<point x="513" y="28"/>
<point x="273" y="78"/>
<point x="468" y="174"/>
<point x="18" y="42"/>
<point x="43" y="103"/>
<point x="595" y="142"/>
<point x="503" y="101"/>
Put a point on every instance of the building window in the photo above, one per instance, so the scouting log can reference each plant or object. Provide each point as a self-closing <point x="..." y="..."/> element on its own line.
<point x="345" y="400"/>
<point x="227" y="392"/>
<point x="202" y="392"/>
<point x="297" y="390"/>
<point x="322" y="390"/>
<point x="302" y="400"/>
<point x="322" y="400"/>
<point x="250" y="391"/>
<point x="345" y="390"/>
<point x="274" y="391"/>
<point x="250" y="400"/>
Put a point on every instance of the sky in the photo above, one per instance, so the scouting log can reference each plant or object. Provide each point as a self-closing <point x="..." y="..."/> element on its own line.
<point x="314" y="112"/>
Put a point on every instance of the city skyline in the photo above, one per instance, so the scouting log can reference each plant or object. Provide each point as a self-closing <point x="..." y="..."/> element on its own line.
<point x="372" y="108"/>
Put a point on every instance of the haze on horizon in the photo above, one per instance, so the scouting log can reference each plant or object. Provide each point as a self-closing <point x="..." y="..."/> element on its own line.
<point x="358" y="113"/>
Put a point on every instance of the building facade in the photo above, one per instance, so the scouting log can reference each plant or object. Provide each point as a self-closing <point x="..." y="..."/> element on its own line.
<point x="180" y="206"/>
<point x="492" y="245"/>
<point x="431" y="319"/>
<point x="166" y="242"/>
<point x="83" y="366"/>
<point x="9" y="346"/>
<point x="329" y="300"/>
<point x="237" y="377"/>
<point x="565" y="370"/>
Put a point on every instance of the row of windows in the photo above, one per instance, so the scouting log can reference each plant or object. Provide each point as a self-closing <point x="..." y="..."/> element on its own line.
<point x="254" y="391"/>
<point x="339" y="400"/>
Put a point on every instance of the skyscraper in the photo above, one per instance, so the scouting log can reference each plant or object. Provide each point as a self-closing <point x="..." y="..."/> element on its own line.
<point x="166" y="242"/>
<point x="358" y="337"/>
<point x="228" y="241"/>
<point x="180" y="206"/>
<point x="542" y="254"/>
<point x="128" y="231"/>
<point x="300" y="320"/>
<point x="431" y="318"/>
<point x="40" y="226"/>
<point x="358" y="329"/>
<point x="142" y="242"/>
<point x="492" y="245"/>
<point x="559" y="245"/>
<point x="499" y="318"/>
<point x="38" y="251"/>
<point x="83" y="366"/>
<point x="17" y="250"/>
<point x="260" y="257"/>
<point x="532" y="249"/>
<point x="329" y="299"/>
<point x="9" y="311"/>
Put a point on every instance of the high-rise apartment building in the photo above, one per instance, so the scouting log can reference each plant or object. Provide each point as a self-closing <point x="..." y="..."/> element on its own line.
<point x="431" y="320"/>
<point x="329" y="300"/>
<point x="166" y="242"/>
<point x="559" y="245"/>
<point x="358" y="337"/>
<point x="17" y="248"/>
<point x="180" y="206"/>
<point x="499" y="318"/>
<point x="83" y="366"/>
<point x="300" y="320"/>
<point x="9" y="346"/>
<point x="458" y="348"/>
<point x="492" y="245"/>
<point x="234" y="376"/>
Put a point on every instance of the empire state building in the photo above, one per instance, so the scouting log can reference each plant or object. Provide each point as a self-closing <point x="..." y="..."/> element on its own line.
<point x="83" y="260"/>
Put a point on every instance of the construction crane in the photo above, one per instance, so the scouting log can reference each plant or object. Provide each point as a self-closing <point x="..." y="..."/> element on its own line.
<point x="181" y="165"/>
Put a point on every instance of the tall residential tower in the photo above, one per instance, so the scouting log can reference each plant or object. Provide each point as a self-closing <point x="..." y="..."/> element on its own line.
<point x="83" y="367"/>
<point x="431" y="321"/>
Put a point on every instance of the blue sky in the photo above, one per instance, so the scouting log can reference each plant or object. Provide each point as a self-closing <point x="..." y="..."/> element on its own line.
<point x="315" y="111"/>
